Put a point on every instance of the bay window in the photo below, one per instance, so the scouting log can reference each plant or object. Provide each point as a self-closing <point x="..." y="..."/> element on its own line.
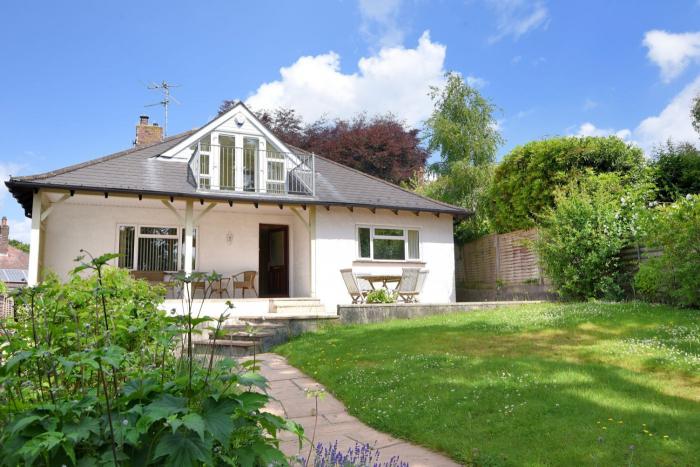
<point x="388" y="243"/>
<point x="153" y="248"/>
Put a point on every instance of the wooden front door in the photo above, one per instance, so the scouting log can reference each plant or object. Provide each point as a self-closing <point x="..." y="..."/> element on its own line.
<point x="273" y="260"/>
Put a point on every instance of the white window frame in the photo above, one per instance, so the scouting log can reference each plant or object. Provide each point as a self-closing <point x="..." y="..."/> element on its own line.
<point x="373" y="236"/>
<point x="137" y="235"/>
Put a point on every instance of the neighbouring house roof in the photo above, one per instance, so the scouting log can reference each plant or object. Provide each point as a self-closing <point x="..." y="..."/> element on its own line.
<point x="13" y="266"/>
<point x="138" y="170"/>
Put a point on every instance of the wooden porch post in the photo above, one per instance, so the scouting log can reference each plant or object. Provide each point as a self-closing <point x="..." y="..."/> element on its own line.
<point x="189" y="233"/>
<point x="35" y="241"/>
<point x="312" y="248"/>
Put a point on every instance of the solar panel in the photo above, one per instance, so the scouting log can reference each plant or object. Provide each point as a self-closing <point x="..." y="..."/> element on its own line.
<point x="13" y="275"/>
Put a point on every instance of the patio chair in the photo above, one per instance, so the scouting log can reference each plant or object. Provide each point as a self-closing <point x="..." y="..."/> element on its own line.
<point x="411" y="284"/>
<point x="357" y="293"/>
<point x="220" y="286"/>
<point x="245" y="281"/>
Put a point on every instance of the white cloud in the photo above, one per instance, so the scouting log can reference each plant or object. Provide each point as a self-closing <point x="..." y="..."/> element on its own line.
<point x="673" y="122"/>
<point x="380" y="22"/>
<point x="589" y="129"/>
<point x="20" y="229"/>
<point x="7" y="169"/>
<point x="396" y="80"/>
<point x="518" y="17"/>
<point x="672" y="52"/>
<point x="590" y="104"/>
<point x="476" y="82"/>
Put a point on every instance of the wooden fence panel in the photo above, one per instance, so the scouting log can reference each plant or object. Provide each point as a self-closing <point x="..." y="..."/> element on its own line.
<point x="500" y="266"/>
<point x="505" y="266"/>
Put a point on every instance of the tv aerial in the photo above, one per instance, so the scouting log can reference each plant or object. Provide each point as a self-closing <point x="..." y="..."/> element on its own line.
<point x="164" y="87"/>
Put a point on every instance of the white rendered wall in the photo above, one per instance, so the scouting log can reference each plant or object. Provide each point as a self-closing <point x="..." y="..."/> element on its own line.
<point x="90" y="222"/>
<point x="336" y="249"/>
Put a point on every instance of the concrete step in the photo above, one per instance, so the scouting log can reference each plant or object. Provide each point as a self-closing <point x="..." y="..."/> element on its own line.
<point x="305" y="309"/>
<point x="244" y="334"/>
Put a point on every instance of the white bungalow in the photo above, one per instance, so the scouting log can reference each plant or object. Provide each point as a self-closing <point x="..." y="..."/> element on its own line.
<point x="232" y="197"/>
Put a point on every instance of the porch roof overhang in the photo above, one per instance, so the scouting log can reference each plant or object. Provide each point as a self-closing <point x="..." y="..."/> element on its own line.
<point x="23" y="191"/>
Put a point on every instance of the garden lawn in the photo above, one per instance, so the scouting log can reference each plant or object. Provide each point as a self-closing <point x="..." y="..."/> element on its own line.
<point x="541" y="384"/>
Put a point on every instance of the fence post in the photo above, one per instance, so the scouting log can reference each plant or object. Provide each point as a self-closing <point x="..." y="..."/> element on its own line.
<point x="498" y="267"/>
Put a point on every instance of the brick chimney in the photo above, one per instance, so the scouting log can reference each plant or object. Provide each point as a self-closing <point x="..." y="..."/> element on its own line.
<point x="147" y="134"/>
<point x="4" y="236"/>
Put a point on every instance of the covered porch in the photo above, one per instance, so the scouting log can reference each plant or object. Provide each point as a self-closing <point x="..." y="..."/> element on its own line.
<point x="263" y="251"/>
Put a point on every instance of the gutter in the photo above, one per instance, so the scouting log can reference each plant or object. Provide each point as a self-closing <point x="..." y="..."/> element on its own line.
<point x="25" y="199"/>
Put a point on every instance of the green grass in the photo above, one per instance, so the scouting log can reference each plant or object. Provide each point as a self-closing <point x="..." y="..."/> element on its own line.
<point x="548" y="384"/>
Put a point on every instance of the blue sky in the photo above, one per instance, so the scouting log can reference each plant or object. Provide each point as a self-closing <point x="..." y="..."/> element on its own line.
<point x="74" y="74"/>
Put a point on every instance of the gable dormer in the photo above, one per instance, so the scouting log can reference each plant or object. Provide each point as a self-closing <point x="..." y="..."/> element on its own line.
<point x="236" y="153"/>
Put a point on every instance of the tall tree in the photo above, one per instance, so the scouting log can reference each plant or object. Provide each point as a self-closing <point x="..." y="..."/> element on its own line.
<point x="462" y="126"/>
<point x="463" y="130"/>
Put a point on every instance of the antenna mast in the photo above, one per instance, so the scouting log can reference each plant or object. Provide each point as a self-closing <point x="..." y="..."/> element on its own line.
<point x="164" y="87"/>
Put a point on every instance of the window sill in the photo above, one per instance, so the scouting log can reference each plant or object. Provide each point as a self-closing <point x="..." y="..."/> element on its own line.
<point x="388" y="261"/>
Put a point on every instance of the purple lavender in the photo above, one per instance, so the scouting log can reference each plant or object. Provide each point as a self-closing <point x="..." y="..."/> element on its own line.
<point x="361" y="455"/>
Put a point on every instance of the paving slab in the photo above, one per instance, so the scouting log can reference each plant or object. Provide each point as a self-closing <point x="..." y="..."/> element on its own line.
<point x="290" y="388"/>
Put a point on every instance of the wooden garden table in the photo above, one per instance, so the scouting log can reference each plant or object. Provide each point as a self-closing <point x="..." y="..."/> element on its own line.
<point x="379" y="278"/>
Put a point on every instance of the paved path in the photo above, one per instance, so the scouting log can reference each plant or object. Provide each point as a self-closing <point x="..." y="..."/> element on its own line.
<point x="289" y="385"/>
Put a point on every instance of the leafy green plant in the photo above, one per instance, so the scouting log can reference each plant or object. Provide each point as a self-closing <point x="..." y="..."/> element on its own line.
<point x="92" y="372"/>
<point x="526" y="181"/>
<point x="674" y="276"/>
<point x="676" y="170"/>
<point x="380" y="296"/>
<point x="581" y="237"/>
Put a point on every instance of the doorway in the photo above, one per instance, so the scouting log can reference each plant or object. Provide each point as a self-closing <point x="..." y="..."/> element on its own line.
<point x="273" y="260"/>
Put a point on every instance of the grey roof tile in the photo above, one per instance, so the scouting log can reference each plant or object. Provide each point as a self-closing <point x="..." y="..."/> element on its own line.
<point x="140" y="170"/>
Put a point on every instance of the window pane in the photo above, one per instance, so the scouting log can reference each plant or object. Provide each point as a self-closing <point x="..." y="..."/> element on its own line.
<point x="227" y="167"/>
<point x="389" y="249"/>
<point x="158" y="254"/>
<point x="205" y="143"/>
<point x="413" y="245"/>
<point x="389" y="232"/>
<point x="159" y="231"/>
<point x="126" y="246"/>
<point x="250" y="163"/>
<point x="363" y="237"/>
<point x="204" y="164"/>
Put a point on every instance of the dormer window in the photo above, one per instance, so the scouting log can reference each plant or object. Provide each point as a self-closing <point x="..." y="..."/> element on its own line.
<point x="246" y="158"/>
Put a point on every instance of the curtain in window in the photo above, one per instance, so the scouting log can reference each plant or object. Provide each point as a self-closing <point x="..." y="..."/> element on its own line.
<point x="158" y="254"/>
<point x="126" y="246"/>
<point x="413" y="242"/>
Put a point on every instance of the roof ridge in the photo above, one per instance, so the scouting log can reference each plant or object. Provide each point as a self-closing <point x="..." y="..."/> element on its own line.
<point x="98" y="160"/>
<point x="386" y="182"/>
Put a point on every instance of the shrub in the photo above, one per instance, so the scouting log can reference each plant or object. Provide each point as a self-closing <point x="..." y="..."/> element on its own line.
<point x="673" y="277"/>
<point x="676" y="170"/>
<point x="380" y="296"/>
<point x="92" y="372"/>
<point x="525" y="183"/>
<point x="581" y="237"/>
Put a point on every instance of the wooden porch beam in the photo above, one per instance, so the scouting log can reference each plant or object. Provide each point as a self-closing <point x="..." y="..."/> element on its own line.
<point x="46" y="212"/>
<point x="203" y="213"/>
<point x="172" y="208"/>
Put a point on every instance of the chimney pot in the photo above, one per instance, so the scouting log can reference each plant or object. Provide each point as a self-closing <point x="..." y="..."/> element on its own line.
<point x="4" y="236"/>
<point x="147" y="134"/>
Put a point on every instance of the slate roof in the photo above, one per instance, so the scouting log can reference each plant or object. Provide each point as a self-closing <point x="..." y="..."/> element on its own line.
<point x="139" y="170"/>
